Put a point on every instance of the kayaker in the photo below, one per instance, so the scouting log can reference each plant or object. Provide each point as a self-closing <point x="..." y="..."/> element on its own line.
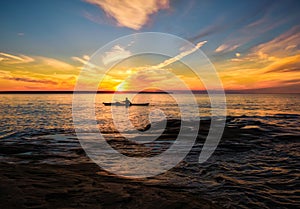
<point x="127" y="102"/>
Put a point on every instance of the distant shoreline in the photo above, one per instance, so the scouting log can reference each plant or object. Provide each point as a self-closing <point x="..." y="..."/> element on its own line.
<point x="82" y="92"/>
<point x="135" y="92"/>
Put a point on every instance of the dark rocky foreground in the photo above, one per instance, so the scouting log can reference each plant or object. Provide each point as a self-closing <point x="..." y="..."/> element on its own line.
<point x="255" y="166"/>
<point x="83" y="186"/>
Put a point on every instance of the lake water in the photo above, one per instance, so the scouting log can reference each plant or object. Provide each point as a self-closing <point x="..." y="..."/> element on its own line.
<point x="33" y="113"/>
<point x="255" y="165"/>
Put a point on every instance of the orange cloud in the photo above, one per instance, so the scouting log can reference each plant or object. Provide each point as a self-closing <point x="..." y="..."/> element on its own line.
<point x="286" y="43"/>
<point x="133" y="14"/>
<point x="30" y="80"/>
<point x="21" y="72"/>
<point x="275" y="63"/>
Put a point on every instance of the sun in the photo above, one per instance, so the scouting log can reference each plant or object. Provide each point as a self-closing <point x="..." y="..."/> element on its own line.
<point x="118" y="87"/>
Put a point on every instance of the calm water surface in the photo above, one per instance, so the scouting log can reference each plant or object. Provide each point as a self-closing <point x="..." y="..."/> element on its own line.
<point x="20" y="113"/>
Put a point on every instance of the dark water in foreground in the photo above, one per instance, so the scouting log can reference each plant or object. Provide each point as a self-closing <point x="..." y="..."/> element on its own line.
<point x="256" y="164"/>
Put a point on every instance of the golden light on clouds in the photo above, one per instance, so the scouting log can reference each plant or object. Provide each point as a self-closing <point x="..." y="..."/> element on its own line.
<point x="22" y="72"/>
<point x="164" y="75"/>
<point x="275" y="63"/>
<point x="133" y="14"/>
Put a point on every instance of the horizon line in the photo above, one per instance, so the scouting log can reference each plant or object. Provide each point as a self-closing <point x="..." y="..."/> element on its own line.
<point x="141" y="92"/>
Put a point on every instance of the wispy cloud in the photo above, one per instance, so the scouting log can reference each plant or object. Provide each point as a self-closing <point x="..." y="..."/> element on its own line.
<point x="217" y="27"/>
<point x="133" y="14"/>
<point x="54" y="63"/>
<point x="273" y="63"/>
<point x="179" y="56"/>
<point x="284" y="48"/>
<point x="14" y="59"/>
<point x="247" y="34"/>
<point x="30" y="80"/>
<point x="115" y="54"/>
<point x="19" y="71"/>
<point x="288" y="64"/>
<point x="292" y="81"/>
<point x="10" y="56"/>
<point x="263" y="21"/>
<point x="33" y="62"/>
<point x="83" y="60"/>
<point x="228" y="46"/>
<point x="286" y="43"/>
<point x="222" y="24"/>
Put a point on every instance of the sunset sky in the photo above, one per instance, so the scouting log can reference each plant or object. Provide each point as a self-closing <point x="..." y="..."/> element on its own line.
<point x="254" y="45"/>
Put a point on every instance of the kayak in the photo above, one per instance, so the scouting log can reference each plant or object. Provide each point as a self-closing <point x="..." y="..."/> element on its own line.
<point x="123" y="104"/>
